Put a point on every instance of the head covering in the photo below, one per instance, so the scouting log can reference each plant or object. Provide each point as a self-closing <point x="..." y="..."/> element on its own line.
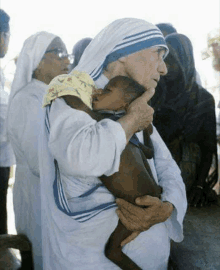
<point x="119" y="39"/>
<point x="29" y="58"/>
<point x="4" y="21"/>
<point x="174" y="93"/>
<point x="182" y="51"/>
<point x="78" y="50"/>
<point x="166" y="28"/>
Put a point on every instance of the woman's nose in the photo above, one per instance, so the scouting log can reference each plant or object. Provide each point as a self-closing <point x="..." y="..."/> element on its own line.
<point x="162" y="68"/>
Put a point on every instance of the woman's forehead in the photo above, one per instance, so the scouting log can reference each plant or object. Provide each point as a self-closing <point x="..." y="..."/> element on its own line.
<point x="146" y="52"/>
<point x="56" y="43"/>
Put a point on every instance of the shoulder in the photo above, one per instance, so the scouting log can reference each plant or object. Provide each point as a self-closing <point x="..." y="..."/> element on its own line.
<point x="33" y="91"/>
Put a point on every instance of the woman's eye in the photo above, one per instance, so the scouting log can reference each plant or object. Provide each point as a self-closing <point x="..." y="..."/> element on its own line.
<point x="161" y="53"/>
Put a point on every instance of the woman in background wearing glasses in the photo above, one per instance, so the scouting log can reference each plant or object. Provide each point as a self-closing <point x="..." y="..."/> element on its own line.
<point x="43" y="57"/>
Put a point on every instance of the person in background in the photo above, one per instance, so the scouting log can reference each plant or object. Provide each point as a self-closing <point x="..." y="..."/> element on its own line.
<point x="185" y="118"/>
<point x="167" y="29"/>
<point x="43" y="57"/>
<point x="78" y="50"/>
<point x="7" y="158"/>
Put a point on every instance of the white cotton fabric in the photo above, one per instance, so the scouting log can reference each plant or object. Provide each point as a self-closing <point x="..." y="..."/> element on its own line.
<point x="23" y="125"/>
<point x="84" y="148"/>
<point x="7" y="157"/>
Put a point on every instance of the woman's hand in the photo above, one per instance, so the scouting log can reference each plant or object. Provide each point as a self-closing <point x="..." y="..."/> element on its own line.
<point x="138" y="219"/>
<point x="142" y="112"/>
<point x="139" y="115"/>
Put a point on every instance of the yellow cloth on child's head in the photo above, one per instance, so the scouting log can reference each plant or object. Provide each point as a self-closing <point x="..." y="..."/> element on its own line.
<point x="77" y="83"/>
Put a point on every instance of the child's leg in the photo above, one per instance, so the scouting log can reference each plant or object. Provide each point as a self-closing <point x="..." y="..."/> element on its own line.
<point x="113" y="249"/>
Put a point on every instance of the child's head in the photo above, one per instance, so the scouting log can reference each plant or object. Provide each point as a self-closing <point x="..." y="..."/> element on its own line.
<point x="117" y="94"/>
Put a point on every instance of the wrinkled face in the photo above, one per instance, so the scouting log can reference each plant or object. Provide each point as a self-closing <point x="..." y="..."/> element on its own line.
<point x="146" y="66"/>
<point x="4" y="39"/>
<point x="112" y="97"/>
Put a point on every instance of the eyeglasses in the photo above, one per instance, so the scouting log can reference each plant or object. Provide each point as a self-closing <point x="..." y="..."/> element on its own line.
<point x="61" y="54"/>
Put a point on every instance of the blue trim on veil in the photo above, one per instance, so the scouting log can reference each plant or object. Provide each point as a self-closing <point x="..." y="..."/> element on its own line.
<point x="60" y="197"/>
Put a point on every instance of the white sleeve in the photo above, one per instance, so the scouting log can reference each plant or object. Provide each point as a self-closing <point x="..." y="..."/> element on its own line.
<point x="169" y="178"/>
<point x="82" y="146"/>
<point x="24" y="127"/>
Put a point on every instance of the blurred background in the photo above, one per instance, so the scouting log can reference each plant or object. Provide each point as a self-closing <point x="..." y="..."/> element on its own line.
<point x="74" y="20"/>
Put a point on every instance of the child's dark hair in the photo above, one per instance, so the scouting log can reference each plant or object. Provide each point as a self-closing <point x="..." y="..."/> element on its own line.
<point x="133" y="89"/>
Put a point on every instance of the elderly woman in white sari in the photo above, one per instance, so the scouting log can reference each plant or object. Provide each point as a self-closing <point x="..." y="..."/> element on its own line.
<point x="42" y="57"/>
<point x="78" y="212"/>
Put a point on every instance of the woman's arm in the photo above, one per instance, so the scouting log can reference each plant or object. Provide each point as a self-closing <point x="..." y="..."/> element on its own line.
<point x="85" y="147"/>
<point x="138" y="117"/>
<point x="82" y="146"/>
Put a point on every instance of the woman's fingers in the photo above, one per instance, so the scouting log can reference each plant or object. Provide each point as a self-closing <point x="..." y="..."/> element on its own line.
<point x="130" y="238"/>
<point x="147" y="200"/>
<point x="127" y="206"/>
<point x="148" y="94"/>
<point x="127" y="222"/>
<point x="130" y="211"/>
<point x="141" y="112"/>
